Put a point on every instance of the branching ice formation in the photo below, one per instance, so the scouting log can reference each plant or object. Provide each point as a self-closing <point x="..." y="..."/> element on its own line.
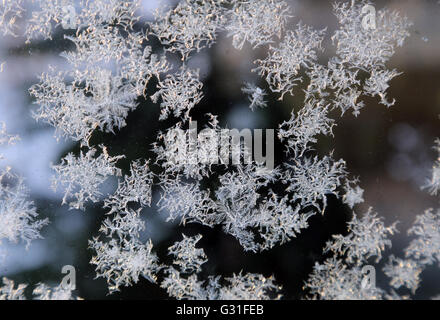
<point x="81" y="176"/>
<point x="191" y="26"/>
<point x="41" y="292"/>
<point x="18" y="214"/>
<point x="256" y="96"/>
<point x="257" y="22"/>
<point x="282" y="66"/>
<point x="110" y="67"/>
<point x="184" y="283"/>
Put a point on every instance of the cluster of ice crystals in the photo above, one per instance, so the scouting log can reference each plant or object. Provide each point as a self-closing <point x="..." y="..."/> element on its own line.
<point x="110" y="68"/>
<point x="82" y="176"/>
<point x="135" y="187"/>
<point x="41" y="292"/>
<point x="433" y="184"/>
<point x="6" y="138"/>
<point x="353" y="194"/>
<point x="282" y="65"/>
<point x="109" y="73"/>
<point x="403" y="272"/>
<point x="310" y="180"/>
<point x="367" y="237"/>
<point x="121" y="257"/>
<point x="255" y="96"/>
<point x="186" y="201"/>
<point x="334" y="280"/>
<point x="256" y="21"/>
<point x="189" y="259"/>
<point x="426" y="246"/>
<point x="249" y="286"/>
<point x="50" y="14"/>
<point x="187" y="256"/>
<point x="278" y="221"/>
<point x="44" y="292"/>
<point x="18" y="214"/>
<point x="191" y="26"/>
<point x="10" y="12"/>
<point x="302" y="129"/>
<point x="372" y="47"/>
<point x="179" y="93"/>
<point x="9" y="292"/>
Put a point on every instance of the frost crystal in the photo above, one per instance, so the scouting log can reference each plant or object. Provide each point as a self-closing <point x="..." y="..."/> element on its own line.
<point x="433" y="184"/>
<point x="255" y="96"/>
<point x="112" y="12"/>
<point x="426" y="247"/>
<point x="353" y="195"/>
<point x="41" y="292"/>
<point x="249" y="287"/>
<point x="187" y="256"/>
<point x="278" y="222"/>
<point x="333" y="280"/>
<point x="53" y="13"/>
<point x="42" y="22"/>
<point x="17" y="213"/>
<point x="403" y="272"/>
<point x="179" y="93"/>
<point x="124" y="258"/>
<point x="191" y="26"/>
<point x="189" y="259"/>
<point x="44" y="292"/>
<point x="104" y="103"/>
<point x="9" y="292"/>
<point x="10" y="11"/>
<point x="368" y="237"/>
<point x="310" y="180"/>
<point x="121" y="263"/>
<point x="185" y="200"/>
<point x="6" y="138"/>
<point x="81" y="177"/>
<point x="179" y="287"/>
<point x="237" y="199"/>
<point x="282" y="65"/>
<point x="378" y="83"/>
<point x="188" y="152"/>
<point x="367" y="49"/>
<point x="108" y="71"/>
<point x="257" y="21"/>
<point x="336" y="78"/>
<point x="303" y="129"/>
<point x="135" y="187"/>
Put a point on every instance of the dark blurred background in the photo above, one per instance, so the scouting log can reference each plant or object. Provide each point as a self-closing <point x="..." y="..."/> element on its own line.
<point x="390" y="150"/>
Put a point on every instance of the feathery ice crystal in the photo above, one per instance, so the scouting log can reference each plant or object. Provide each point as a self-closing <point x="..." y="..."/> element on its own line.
<point x="109" y="68"/>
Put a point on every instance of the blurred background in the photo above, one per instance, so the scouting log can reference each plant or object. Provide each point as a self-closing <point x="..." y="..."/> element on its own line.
<point x="390" y="150"/>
